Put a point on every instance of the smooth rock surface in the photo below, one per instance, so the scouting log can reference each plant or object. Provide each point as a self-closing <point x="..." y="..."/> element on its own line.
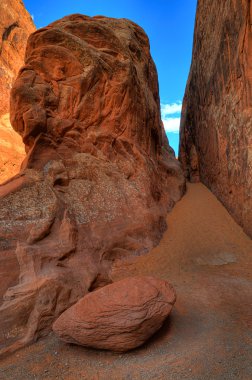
<point x="118" y="317"/>
<point x="99" y="177"/>
<point x="216" y="126"/>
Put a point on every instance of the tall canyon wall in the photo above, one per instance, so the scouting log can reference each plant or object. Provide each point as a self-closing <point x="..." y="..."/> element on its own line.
<point x="216" y="125"/>
<point x="15" y="27"/>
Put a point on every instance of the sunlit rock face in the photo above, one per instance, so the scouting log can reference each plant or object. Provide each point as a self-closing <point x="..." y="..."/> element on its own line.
<point x="12" y="151"/>
<point x="99" y="177"/>
<point x="216" y="127"/>
<point x="15" y="27"/>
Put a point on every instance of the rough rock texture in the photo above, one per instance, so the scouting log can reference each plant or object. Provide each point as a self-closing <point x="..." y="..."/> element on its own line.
<point x="118" y="317"/>
<point x="12" y="151"/>
<point x="216" y="127"/>
<point x="99" y="177"/>
<point x="15" y="27"/>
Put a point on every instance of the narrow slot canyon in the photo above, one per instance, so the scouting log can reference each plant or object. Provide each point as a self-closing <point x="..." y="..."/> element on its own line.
<point x="122" y="256"/>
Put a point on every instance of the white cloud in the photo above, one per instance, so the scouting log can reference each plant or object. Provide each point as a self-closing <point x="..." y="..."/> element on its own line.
<point x="171" y="124"/>
<point x="32" y="16"/>
<point x="170" y="109"/>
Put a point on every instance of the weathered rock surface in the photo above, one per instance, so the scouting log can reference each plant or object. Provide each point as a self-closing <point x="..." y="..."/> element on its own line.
<point x="15" y="27"/>
<point x="118" y="317"/>
<point x="99" y="177"/>
<point x="216" y="127"/>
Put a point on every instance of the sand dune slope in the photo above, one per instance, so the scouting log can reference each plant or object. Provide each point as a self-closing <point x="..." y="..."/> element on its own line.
<point x="201" y="237"/>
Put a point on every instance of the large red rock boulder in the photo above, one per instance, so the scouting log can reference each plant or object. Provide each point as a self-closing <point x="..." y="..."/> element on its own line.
<point x="15" y="27"/>
<point x="216" y="127"/>
<point x="118" y="317"/>
<point x="99" y="176"/>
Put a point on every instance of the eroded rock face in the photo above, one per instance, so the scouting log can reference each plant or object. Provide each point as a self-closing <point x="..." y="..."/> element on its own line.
<point x="118" y="317"/>
<point x="99" y="177"/>
<point x="15" y="27"/>
<point x="216" y="127"/>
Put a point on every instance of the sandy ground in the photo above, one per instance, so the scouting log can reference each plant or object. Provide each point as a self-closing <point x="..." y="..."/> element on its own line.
<point x="208" y="259"/>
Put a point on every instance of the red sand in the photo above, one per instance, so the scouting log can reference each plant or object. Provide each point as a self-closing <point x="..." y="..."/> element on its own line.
<point x="208" y="259"/>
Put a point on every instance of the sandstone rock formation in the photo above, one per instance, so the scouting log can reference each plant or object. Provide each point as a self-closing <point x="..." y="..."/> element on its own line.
<point x="216" y="126"/>
<point x="15" y="27"/>
<point x="118" y="317"/>
<point x="12" y="151"/>
<point x="99" y="176"/>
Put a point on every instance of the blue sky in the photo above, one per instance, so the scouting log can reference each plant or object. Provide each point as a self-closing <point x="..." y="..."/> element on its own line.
<point x="169" y="25"/>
